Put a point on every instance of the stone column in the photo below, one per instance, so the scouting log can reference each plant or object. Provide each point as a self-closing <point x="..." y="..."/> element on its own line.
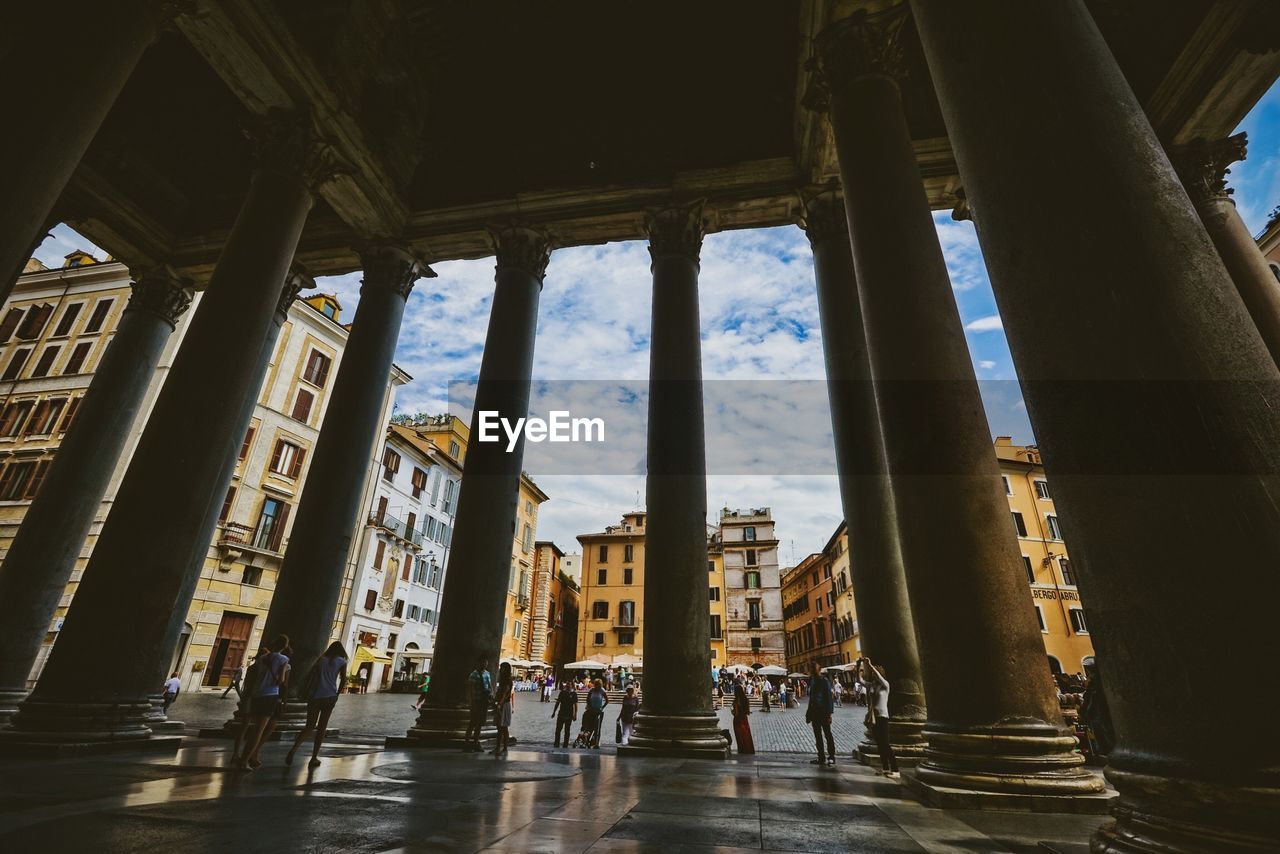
<point x="310" y="579"/>
<point x="44" y="552"/>
<point x="146" y="562"/>
<point x="866" y="496"/>
<point x="475" y="589"/>
<point x="67" y="99"/>
<point x="1154" y="401"/>
<point x="994" y="723"/>
<point x="675" y="716"/>
<point x="1203" y="168"/>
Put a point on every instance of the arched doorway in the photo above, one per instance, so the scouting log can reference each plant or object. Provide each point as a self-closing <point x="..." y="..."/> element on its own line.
<point x="1055" y="666"/>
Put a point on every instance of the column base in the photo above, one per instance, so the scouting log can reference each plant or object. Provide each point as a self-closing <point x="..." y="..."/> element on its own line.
<point x="289" y="723"/>
<point x="945" y="797"/>
<point x="441" y="726"/>
<point x="1171" y="815"/>
<point x="10" y="699"/>
<point x="906" y="737"/>
<point x="159" y="721"/>
<point x="67" y="722"/>
<point x="695" y="736"/>
<point x="1032" y="758"/>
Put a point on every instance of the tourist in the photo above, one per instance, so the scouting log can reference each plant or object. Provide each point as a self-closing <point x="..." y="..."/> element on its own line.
<point x="764" y="694"/>
<point x="627" y="717"/>
<point x="320" y="690"/>
<point x="818" y="715"/>
<point x="236" y="678"/>
<point x="172" y="686"/>
<point x="597" y="699"/>
<point x="548" y="685"/>
<point x="837" y="692"/>
<point x="1095" y="714"/>
<point x="265" y="696"/>
<point x="608" y="678"/>
<point x="479" y="699"/>
<point x="782" y="694"/>
<point x="877" y="687"/>
<point x="422" y="691"/>
<point x="742" y="726"/>
<point x="242" y="707"/>
<point x="504" y="705"/>
<point x="363" y="678"/>
<point x="565" y="711"/>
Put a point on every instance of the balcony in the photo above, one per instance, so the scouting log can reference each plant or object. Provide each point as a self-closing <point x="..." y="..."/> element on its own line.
<point x="624" y="623"/>
<point x="234" y="539"/>
<point x="398" y="529"/>
<point x="522" y="602"/>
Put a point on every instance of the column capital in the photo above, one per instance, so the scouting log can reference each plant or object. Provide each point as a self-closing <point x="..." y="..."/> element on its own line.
<point x="162" y="291"/>
<point x="522" y="248"/>
<point x="676" y="230"/>
<point x="1203" y="166"/>
<point x="391" y="266"/>
<point x="822" y="215"/>
<point x="296" y="281"/>
<point x="865" y="44"/>
<point x="963" y="211"/>
<point x="286" y="141"/>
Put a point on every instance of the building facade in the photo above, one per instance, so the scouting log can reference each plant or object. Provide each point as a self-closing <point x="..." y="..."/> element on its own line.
<point x="754" y="632"/>
<point x="552" y="625"/>
<point x="809" y="614"/>
<point x="515" y="627"/>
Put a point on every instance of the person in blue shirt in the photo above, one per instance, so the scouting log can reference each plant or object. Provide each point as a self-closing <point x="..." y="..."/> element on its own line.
<point x="480" y="696"/>
<point x="821" y="707"/>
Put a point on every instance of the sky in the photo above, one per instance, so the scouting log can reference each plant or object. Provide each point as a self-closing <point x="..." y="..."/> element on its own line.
<point x="759" y="320"/>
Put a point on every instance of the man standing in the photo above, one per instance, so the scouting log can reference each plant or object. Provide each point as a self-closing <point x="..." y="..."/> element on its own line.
<point x="171" y="687"/>
<point x="480" y="696"/>
<point x="565" y="711"/>
<point x="821" y="707"/>
<point x="236" y="679"/>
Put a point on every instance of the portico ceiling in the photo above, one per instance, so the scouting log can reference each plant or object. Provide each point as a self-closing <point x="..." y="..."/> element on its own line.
<point x="450" y="116"/>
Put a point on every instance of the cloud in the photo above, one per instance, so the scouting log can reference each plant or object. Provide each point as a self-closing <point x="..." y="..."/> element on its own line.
<point x="990" y="323"/>
<point x="986" y="364"/>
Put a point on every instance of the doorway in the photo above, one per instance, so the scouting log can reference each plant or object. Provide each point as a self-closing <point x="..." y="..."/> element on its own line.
<point x="228" y="648"/>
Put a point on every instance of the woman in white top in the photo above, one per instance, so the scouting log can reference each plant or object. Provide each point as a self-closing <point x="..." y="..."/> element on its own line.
<point x="877" y="687"/>
<point x="320" y="690"/>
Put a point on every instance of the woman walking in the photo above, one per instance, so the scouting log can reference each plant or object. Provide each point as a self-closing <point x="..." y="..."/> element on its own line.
<point x="597" y="699"/>
<point x="504" y="700"/>
<point x="320" y="690"/>
<point x="264" y="702"/>
<point x="878" y="710"/>
<point x="627" y="717"/>
<point x="741" y="726"/>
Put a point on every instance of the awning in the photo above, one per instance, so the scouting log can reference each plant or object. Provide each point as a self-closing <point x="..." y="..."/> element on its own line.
<point x="364" y="653"/>
<point x="416" y="653"/>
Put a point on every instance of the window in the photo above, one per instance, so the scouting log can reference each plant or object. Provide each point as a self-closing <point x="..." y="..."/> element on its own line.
<point x="420" y="570"/>
<point x="33" y="324"/>
<point x="627" y="638"/>
<point x="16" y="363"/>
<point x="392" y="640"/>
<point x="753" y="580"/>
<point x="435" y="489"/>
<point x="755" y="645"/>
<point x="817" y="603"/>
<point x="602" y="577"/>
<point x="714" y="593"/>
<point x="599" y="610"/>
<point x="528" y="508"/>
<point x="413" y="612"/>
<point x="604" y="555"/>
<point x="1040" y="619"/>
<point x="749" y="533"/>
<point x="1019" y="525"/>
<point x="434" y="580"/>
<point x="628" y="553"/>
<point x="454" y="449"/>
<point x="76" y="360"/>
<point x="1055" y="530"/>
<point x="226" y="505"/>
<point x="45" y="417"/>
<point x="1068" y="577"/>
<point x="1031" y="573"/>
<point x="526" y="538"/>
<point x="302" y="405"/>
<point x="370" y="600"/>
<point x="406" y="568"/>
<point x="428" y="616"/>
<point x="252" y="576"/>
<point x="1077" y="621"/>
<point x="390" y="464"/>
<point x="248" y="441"/>
<point x="815" y="577"/>
<point x="270" y="528"/>
<point x="287" y="459"/>
<point x="9" y="324"/>
<point x="628" y="574"/>
<point x="715" y="627"/>
<point x="378" y="554"/>
<point x="45" y="362"/>
<point x="822" y="632"/>
<point x="99" y="316"/>
<point x="68" y="319"/>
<point x="1042" y="489"/>
<point x="419" y="481"/>
<point x="398" y="612"/>
<point x="1008" y="489"/>
<point x="751" y="557"/>
<point x="753" y="613"/>
<point x="14" y="479"/>
<point x="626" y="613"/>
<point x="317" y="370"/>
<point x="711" y="566"/>
<point x="15" y="415"/>
<point x="73" y="406"/>
<point x="448" y="496"/>
<point x="598" y="639"/>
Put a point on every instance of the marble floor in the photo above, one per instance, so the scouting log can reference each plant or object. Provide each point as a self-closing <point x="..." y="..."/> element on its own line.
<point x="372" y="800"/>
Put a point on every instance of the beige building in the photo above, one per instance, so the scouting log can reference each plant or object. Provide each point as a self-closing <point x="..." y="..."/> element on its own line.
<point x="754" y="631"/>
<point x="520" y="584"/>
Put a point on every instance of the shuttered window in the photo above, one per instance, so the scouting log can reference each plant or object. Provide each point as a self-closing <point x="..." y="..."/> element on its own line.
<point x="10" y="323"/>
<point x="68" y="319"/>
<point x="287" y="458"/>
<point x="226" y="505"/>
<point x="37" y="478"/>
<point x="302" y="405"/>
<point x="35" y="321"/>
<point x="370" y="600"/>
<point x="99" y="316"/>
<point x="419" y="481"/>
<point x="15" y="415"/>
<point x="76" y="360"/>
<point x="248" y="441"/>
<point x="13" y="480"/>
<point x="317" y="370"/>
<point x="16" y="363"/>
<point x="46" y="361"/>
<point x="45" y="417"/>
<point x="73" y="406"/>
<point x="378" y="553"/>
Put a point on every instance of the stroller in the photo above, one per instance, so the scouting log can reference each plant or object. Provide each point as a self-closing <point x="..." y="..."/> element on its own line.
<point x="589" y="735"/>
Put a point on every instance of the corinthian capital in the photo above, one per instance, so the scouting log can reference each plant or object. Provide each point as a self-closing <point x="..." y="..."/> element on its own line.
<point x="522" y="248"/>
<point x="862" y="45"/>
<point x="677" y="231"/>
<point x="161" y="291"/>
<point x="287" y="142"/>
<point x="1204" y="165"/>
<point x="392" y="267"/>
<point x="296" y="281"/>
<point x="822" y="214"/>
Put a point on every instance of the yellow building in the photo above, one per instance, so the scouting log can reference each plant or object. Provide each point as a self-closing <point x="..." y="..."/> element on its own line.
<point x="809" y="614"/>
<point x="551" y="622"/>
<point x="520" y="584"/>
<point x="719" y="600"/>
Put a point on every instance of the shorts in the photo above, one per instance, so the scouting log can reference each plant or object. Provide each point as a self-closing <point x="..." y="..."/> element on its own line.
<point x="315" y="707"/>
<point x="264" y="707"/>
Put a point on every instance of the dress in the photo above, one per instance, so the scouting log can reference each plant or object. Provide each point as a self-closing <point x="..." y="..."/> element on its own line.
<point x="742" y="729"/>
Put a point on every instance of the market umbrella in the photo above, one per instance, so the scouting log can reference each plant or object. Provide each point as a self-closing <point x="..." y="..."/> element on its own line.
<point x="583" y="665"/>
<point x="797" y="675"/>
<point x="772" y="670"/>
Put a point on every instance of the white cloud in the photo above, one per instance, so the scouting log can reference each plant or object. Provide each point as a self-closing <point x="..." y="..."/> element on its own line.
<point x="990" y="323"/>
<point x="986" y="364"/>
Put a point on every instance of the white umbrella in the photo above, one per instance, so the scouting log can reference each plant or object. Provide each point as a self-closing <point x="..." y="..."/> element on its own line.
<point x="583" y="665"/>
<point x="797" y="675"/>
<point x="740" y="668"/>
<point x="772" y="670"/>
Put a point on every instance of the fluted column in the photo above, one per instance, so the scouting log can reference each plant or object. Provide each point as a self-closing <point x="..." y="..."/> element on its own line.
<point x="145" y="565"/>
<point x="866" y="496"/>
<point x="675" y="716"/>
<point x="474" y="598"/>
<point x="62" y="104"/>
<point x="994" y="723"/>
<point x="310" y="579"/>
<point x="1154" y="401"/>
<point x="1203" y="168"/>
<point x="44" y="552"/>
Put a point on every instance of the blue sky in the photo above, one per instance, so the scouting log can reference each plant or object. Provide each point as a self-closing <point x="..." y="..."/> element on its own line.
<point x="759" y="321"/>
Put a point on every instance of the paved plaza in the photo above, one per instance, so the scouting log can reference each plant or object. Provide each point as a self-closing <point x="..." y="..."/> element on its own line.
<point x="535" y="800"/>
<point x="372" y="717"/>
